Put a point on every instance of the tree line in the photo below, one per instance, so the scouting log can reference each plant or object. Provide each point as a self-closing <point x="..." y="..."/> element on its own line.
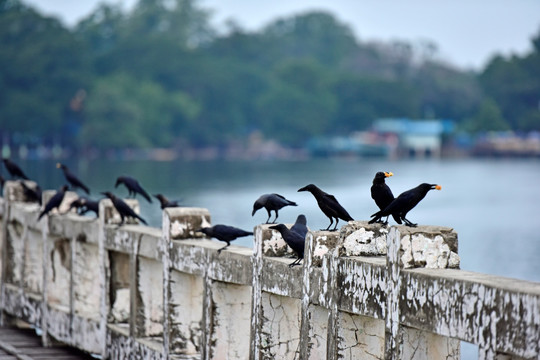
<point x="161" y="75"/>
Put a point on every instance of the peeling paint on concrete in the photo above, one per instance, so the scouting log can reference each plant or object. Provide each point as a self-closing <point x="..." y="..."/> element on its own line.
<point x="185" y="311"/>
<point x="280" y="328"/>
<point x="86" y="284"/>
<point x="184" y="222"/>
<point x="150" y="306"/>
<point x="33" y="262"/>
<point x="231" y="318"/>
<point x="360" y="337"/>
<point x="272" y="242"/>
<point x="323" y="243"/>
<point x="317" y="339"/>
<point x="363" y="239"/>
<point x="420" y="345"/>
<point x="59" y="272"/>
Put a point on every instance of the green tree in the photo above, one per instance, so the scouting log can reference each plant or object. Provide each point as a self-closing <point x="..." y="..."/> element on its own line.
<point x="299" y="104"/>
<point x="42" y="66"/>
<point x="514" y="83"/>
<point x="363" y="99"/>
<point x="487" y="118"/>
<point x="124" y="112"/>
<point x="317" y="35"/>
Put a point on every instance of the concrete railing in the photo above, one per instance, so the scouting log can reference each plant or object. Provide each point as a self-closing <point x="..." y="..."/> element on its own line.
<point x="367" y="292"/>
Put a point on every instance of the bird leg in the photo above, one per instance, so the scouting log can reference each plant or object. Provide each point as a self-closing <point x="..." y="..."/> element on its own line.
<point x="331" y="222"/>
<point x="269" y="216"/>
<point x="219" y="250"/>
<point x="408" y="223"/>
<point x="295" y="262"/>
<point x="335" y="227"/>
<point x="121" y="221"/>
<point x="275" y="219"/>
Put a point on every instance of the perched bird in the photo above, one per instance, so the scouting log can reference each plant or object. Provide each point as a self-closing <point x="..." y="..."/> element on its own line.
<point x="224" y="233"/>
<point x="165" y="203"/>
<point x="133" y="187"/>
<point x="72" y="179"/>
<point x="31" y="194"/>
<point x="404" y="203"/>
<point x="54" y="202"/>
<point x="381" y="193"/>
<point x="2" y="182"/>
<point x="14" y="169"/>
<point x="329" y="205"/>
<point x="300" y="226"/>
<point x="123" y="209"/>
<point x="84" y="205"/>
<point x="294" y="240"/>
<point x="271" y="202"/>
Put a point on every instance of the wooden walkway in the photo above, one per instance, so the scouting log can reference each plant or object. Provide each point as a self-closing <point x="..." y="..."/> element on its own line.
<point x="25" y="344"/>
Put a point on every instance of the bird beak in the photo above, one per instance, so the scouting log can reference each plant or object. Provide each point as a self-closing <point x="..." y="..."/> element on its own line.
<point x="438" y="187"/>
<point x="274" y="227"/>
<point x="388" y="174"/>
<point x="253" y="212"/>
<point x="302" y="189"/>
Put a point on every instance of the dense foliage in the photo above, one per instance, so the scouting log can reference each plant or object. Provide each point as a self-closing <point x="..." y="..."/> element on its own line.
<point x="160" y="75"/>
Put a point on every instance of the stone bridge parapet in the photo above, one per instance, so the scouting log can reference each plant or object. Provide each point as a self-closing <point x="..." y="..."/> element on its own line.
<point x="366" y="292"/>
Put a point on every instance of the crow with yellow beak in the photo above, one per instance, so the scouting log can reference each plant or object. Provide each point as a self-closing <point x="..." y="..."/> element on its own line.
<point x="381" y="193"/>
<point x="404" y="203"/>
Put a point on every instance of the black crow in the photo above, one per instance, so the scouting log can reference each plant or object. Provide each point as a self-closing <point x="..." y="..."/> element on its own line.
<point x="271" y="202"/>
<point x="14" y="169"/>
<point x="329" y="205"/>
<point x="166" y="203"/>
<point x="404" y="203"/>
<point x="133" y="187"/>
<point x="123" y="209"/>
<point x="31" y="194"/>
<point x="224" y="233"/>
<point x="84" y="205"/>
<point x="294" y="240"/>
<point x="72" y="179"/>
<point x="54" y="202"/>
<point x="300" y="226"/>
<point x="381" y="193"/>
<point x="2" y="182"/>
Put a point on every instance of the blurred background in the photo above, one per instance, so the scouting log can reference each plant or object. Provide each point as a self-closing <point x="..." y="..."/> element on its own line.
<point x="217" y="102"/>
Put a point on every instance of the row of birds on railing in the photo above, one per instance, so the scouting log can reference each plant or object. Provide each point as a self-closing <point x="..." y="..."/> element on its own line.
<point x="397" y="207"/>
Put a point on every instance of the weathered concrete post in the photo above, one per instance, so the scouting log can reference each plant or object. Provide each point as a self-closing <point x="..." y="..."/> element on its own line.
<point x="423" y="246"/>
<point x="183" y="291"/>
<point x="105" y="217"/>
<point x="276" y="296"/>
<point x="51" y="303"/>
<point x="256" y="301"/>
<point x="317" y="322"/>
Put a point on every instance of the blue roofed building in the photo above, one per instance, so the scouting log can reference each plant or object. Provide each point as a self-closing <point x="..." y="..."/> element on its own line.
<point x="416" y="138"/>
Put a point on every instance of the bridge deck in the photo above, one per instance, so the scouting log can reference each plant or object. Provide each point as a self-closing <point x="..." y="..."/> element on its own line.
<point x="25" y="344"/>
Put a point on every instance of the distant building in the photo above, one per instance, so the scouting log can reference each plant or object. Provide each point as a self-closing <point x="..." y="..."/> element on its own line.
<point x="416" y="138"/>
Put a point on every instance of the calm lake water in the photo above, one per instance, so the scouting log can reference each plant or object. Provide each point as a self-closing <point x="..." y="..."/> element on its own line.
<point x="494" y="205"/>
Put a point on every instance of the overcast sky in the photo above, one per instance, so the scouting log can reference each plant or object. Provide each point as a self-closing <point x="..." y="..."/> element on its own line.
<point x="467" y="32"/>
